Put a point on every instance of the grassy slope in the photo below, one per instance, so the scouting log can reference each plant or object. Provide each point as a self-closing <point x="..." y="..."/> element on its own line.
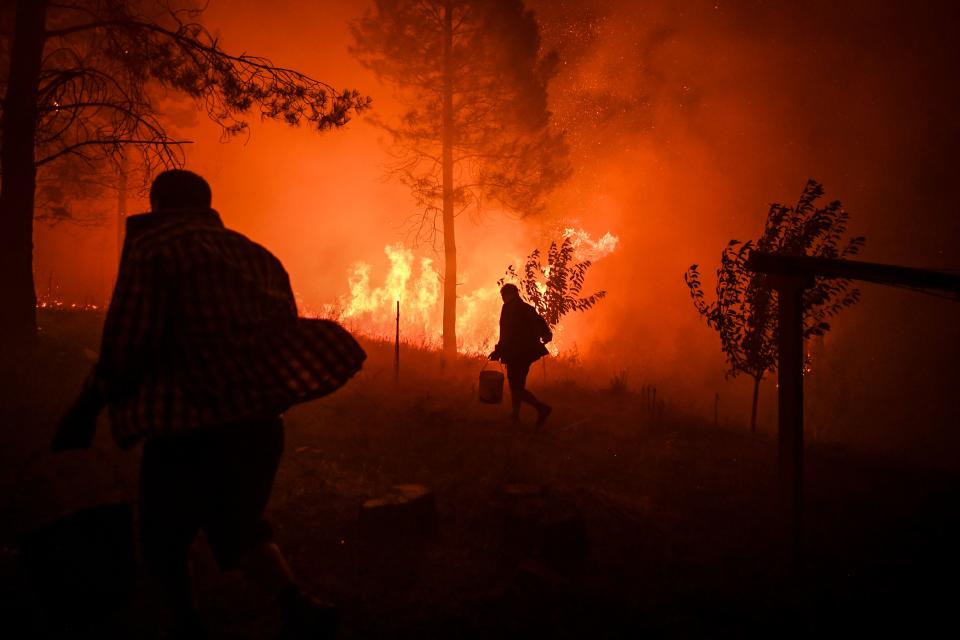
<point x="681" y="517"/>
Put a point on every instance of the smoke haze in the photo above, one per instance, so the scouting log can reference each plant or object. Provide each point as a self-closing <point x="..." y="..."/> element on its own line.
<point x="685" y="119"/>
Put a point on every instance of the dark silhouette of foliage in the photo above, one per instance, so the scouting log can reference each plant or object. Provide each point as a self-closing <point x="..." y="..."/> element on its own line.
<point x="82" y="79"/>
<point x="745" y="310"/>
<point x="71" y="191"/>
<point x="104" y="60"/>
<point x="554" y="288"/>
<point x="476" y="128"/>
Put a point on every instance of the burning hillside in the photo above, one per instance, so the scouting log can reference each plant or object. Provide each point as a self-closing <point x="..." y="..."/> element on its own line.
<point x="416" y="283"/>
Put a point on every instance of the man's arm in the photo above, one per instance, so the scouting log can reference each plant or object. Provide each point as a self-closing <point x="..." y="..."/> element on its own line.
<point x="78" y="425"/>
<point x="495" y="354"/>
<point x="134" y="328"/>
<point x="133" y="323"/>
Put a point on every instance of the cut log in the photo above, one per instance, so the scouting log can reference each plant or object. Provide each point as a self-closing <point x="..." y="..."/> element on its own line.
<point x="518" y="508"/>
<point x="540" y="527"/>
<point x="565" y="546"/>
<point x="394" y="532"/>
<point x="406" y="512"/>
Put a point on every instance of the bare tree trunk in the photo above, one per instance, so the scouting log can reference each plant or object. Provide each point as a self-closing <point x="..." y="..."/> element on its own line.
<point x="18" y="311"/>
<point x="121" y="203"/>
<point x="753" y="412"/>
<point x="449" y="238"/>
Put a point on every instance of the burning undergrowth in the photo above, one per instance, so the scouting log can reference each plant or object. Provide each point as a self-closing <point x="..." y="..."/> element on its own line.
<point x="412" y="288"/>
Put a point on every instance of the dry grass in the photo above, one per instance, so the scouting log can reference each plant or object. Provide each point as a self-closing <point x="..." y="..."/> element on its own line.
<point x="681" y="517"/>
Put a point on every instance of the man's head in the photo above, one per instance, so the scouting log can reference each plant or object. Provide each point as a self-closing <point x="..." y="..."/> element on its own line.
<point x="509" y="292"/>
<point x="179" y="189"/>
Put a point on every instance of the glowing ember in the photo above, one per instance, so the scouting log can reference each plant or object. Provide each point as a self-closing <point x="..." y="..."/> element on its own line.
<point x="56" y="304"/>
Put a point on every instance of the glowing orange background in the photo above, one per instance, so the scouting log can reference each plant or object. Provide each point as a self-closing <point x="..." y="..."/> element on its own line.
<point x="725" y="107"/>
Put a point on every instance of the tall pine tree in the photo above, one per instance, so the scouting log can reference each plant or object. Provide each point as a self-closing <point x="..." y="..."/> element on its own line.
<point x="476" y="127"/>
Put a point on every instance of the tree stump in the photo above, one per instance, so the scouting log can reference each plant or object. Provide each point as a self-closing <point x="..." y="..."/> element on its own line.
<point x="564" y="547"/>
<point x="394" y="531"/>
<point x="407" y="512"/>
<point x="537" y="527"/>
<point x="518" y="508"/>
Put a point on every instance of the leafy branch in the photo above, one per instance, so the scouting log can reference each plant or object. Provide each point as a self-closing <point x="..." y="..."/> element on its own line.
<point x="744" y="311"/>
<point x="554" y="288"/>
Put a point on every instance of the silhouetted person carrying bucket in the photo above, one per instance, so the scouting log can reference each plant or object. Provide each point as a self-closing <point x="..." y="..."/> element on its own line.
<point x="202" y="350"/>
<point x="523" y="334"/>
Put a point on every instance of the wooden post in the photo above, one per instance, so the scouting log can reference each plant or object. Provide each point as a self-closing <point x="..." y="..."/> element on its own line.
<point x="653" y="405"/>
<point x="790" y="402"/>
<point x="790" y="276"/>
<point x="396" y="348"/>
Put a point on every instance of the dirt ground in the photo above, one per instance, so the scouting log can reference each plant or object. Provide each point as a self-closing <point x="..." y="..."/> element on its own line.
<point x="640" y="520"/>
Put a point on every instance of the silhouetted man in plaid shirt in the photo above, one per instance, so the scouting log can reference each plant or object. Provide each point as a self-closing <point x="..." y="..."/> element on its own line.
<point x="202" y="350"/>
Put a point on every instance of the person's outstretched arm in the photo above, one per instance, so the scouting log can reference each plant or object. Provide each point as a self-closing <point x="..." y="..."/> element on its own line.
<point x="131" y="336"/>
<point x="495" y="354"/>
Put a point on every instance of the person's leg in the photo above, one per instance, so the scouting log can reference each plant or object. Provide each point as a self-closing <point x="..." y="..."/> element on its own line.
<point x="168" y="524"/>
<point x="265" y="565"/>
<point x="517" y="375"/>
<point x="303" y="615"/>
<point x="517" y="380"/>
<point x="242" y="467"/>
<point x="241" y="538"/>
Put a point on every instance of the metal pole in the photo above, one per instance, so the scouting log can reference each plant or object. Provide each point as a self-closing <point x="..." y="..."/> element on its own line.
<point x="396" y="348"/>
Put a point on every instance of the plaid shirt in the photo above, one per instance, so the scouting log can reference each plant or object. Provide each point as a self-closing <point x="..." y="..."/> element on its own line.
<point x="202" y="330"/>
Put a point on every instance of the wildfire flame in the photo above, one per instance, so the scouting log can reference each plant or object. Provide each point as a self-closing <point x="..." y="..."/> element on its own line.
<point x="374" y="306"/>
<point x="588" y="249"/>
<point x="416" y="284"/>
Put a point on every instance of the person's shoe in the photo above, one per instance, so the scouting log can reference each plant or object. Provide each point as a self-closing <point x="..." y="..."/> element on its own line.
<point x="307" y="617"/>
<point x="543" y="412"/>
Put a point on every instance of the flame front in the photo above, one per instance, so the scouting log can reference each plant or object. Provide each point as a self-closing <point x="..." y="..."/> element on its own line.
<point x="416" y="284"/>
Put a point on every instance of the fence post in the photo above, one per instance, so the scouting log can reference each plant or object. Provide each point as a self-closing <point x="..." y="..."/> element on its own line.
<point x="716" y="410"/>
<point x="396" y="348"/>
<point x="790" y="402"/>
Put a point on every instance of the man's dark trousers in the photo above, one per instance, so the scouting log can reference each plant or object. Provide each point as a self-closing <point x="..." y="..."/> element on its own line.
<point x="517" y="381"/>
<point x="214" y="479"/>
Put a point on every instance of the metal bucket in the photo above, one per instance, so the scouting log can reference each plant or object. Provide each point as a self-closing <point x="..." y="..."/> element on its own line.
<point x="491" y="387"/>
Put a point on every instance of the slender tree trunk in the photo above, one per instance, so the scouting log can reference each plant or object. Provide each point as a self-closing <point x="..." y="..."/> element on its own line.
<point x="121" y="203"/>
<point x="449" y="238"/>
<point x="18" y="309"/>
<point x="753" y="411"/>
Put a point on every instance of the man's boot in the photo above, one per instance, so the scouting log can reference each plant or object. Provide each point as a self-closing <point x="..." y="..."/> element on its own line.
<point x="543" y="412"/>
<point x="305" y="617"/>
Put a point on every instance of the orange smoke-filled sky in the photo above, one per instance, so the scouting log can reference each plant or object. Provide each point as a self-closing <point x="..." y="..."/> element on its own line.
<point x="686" y="119"/>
